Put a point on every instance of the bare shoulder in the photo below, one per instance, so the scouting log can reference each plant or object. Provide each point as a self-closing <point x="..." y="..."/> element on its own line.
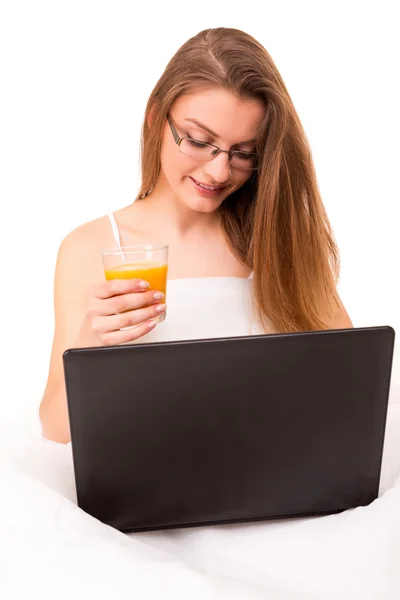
<point x="91" y="236"/>
<point x="79" y="267"/>
<point x="80" y="250"/>
<point x="340" y="319"/>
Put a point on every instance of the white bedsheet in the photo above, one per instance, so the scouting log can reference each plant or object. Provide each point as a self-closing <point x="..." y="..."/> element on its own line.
<point x="50" y="547"/>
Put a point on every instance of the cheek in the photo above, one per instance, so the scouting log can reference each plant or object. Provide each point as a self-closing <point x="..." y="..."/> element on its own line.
<point x="168" y="164"/>
<point x="175" y="164"/>
<point x="169" y="157"/>
<point x="241" y="179"/>
<point x="180" y="167"/>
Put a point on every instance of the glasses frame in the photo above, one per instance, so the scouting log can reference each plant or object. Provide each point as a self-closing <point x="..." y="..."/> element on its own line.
<point x="218" y="150"/>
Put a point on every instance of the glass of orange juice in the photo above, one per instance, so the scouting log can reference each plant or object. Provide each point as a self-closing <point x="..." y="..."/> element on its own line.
<point x="148" y="262"/>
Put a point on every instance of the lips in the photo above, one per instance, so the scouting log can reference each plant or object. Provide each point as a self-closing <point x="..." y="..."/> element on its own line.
<point x="207" y="190"/>
<point x="208" y="187"/>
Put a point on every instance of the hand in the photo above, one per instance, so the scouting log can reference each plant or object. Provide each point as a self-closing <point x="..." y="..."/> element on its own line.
<point x="120" y="303"/>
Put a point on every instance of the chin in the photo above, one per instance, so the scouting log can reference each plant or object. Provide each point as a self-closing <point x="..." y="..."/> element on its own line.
<point x="200" y="205"/>
<point x="199" y="202"/>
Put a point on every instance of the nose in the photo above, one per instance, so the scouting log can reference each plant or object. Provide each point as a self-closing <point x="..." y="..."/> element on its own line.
<point x="218" y="169"/>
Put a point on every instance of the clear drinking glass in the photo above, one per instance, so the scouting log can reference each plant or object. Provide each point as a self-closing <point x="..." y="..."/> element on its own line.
<point x="148" y="262"/>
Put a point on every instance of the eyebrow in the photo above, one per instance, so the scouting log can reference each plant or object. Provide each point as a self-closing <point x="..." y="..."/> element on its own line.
<point x="215" y="135"/>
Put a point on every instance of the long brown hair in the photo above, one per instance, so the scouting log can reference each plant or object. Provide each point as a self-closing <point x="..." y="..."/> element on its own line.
<point x="276" y="222"/>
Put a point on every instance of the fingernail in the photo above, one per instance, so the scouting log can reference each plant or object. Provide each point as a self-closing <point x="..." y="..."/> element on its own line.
<point x="151" y="324"/>
<point x="143" y="285"/>
<point x="160" y="307"/>
<point x="158" y="295"/>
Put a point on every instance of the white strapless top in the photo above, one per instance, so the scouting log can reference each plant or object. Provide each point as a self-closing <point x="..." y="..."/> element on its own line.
<point x="206" y="308"/>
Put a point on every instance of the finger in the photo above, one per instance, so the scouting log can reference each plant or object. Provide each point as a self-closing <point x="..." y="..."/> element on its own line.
<point x="114" y="338"/>
<point x="122" y="303"/>
<point x="115" y="287"/>
<point x="107" y="324"/>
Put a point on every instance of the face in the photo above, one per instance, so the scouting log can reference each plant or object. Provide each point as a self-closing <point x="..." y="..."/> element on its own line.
<point x="221" y="119"/>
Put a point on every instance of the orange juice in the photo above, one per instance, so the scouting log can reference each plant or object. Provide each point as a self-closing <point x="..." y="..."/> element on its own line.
<point x="154" y="273"/>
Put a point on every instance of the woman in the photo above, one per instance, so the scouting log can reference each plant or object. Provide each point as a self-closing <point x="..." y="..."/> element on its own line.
<point x="228" y="182"/>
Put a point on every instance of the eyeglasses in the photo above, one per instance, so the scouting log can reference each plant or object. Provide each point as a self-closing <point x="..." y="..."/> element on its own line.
<point x="238" y="159"/>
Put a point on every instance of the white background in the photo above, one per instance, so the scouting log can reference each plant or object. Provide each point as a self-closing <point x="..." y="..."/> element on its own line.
<point x="75" y="78"/>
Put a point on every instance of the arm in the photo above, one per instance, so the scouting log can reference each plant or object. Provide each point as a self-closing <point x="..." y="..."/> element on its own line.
<point x="77" y="267"/>
<point x="89" y="311"/>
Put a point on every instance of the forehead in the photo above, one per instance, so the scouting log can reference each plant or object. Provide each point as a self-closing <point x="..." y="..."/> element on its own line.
<point x="234" y="119"/>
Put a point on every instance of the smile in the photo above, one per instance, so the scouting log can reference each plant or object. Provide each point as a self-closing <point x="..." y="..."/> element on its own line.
<point x="208" y="190"/>
<point x="208" y="187"/>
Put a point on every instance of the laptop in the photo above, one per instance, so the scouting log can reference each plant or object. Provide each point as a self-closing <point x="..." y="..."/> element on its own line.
<point x="203" y="432"/>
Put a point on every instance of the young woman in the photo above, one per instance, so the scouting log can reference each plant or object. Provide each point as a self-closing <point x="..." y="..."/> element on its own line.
<point x="228" y="183"/>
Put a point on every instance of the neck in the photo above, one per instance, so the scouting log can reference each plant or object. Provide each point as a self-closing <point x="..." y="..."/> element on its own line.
<point x="178" y="218"/>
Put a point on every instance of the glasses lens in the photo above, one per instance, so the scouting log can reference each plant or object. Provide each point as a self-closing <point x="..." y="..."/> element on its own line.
<point x="204" y="151"/>
<point x="195" y="149"/>
<point x="244" y="160"/>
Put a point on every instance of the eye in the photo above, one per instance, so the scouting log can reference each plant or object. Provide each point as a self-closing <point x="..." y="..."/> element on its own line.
<point x="250" y="156"/>
<point x="196" y="143"/>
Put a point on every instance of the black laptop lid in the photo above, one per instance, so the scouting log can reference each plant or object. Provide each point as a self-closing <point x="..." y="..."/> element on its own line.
<point x="229" y="430"/>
